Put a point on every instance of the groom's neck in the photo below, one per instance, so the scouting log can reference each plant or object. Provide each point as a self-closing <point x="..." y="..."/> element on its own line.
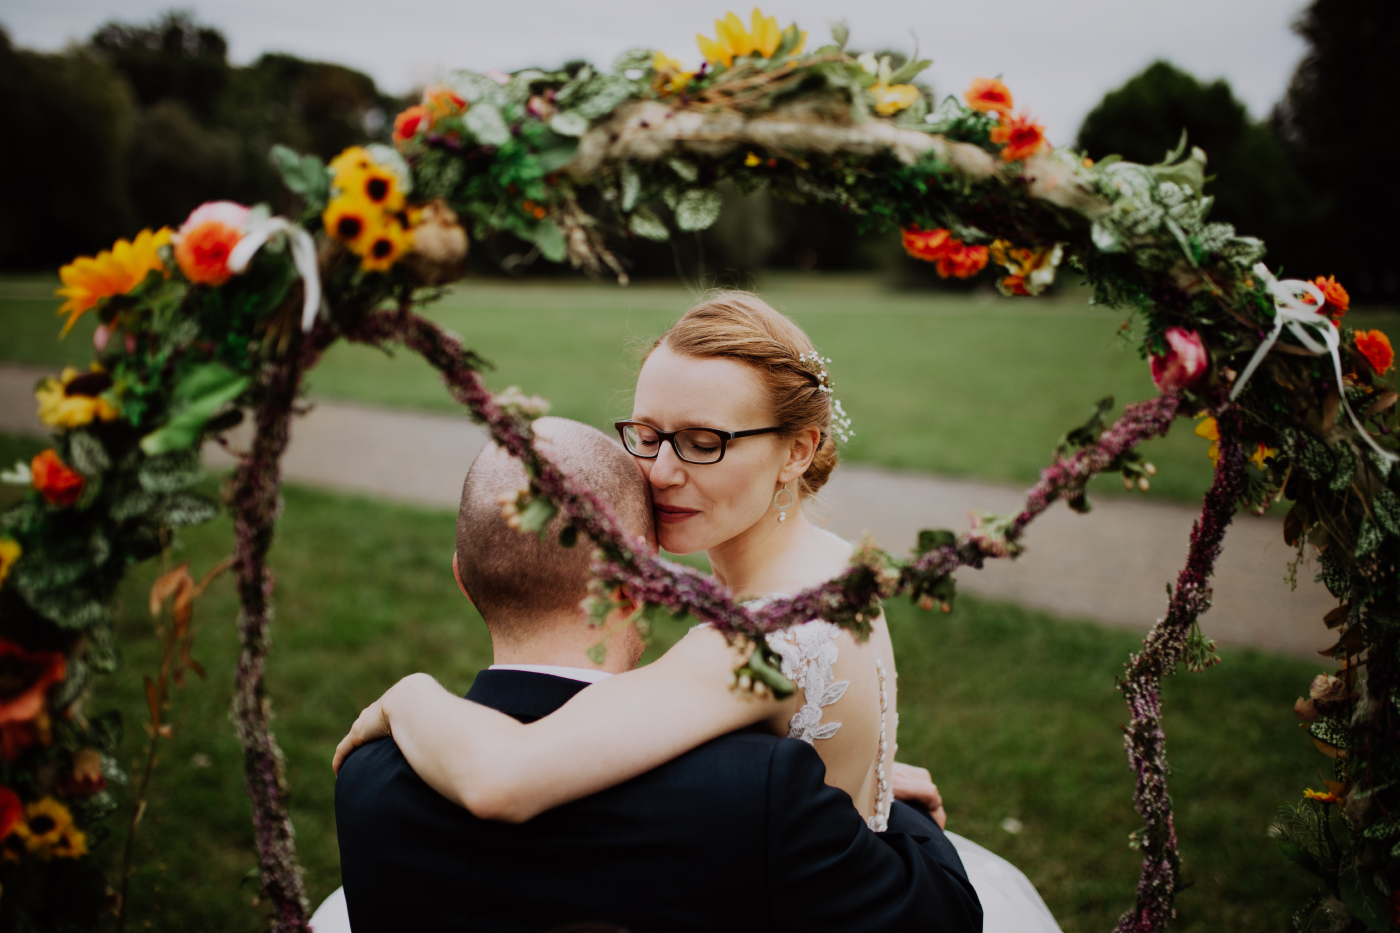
<point x="563" y="644"/>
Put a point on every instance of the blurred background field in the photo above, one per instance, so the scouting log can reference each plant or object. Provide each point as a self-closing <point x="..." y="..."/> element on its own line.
<point x="1013" y="711"/>
<point x="954" y="383"/>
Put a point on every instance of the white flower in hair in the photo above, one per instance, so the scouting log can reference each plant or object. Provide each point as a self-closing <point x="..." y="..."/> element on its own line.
<point x="816" y="364"/>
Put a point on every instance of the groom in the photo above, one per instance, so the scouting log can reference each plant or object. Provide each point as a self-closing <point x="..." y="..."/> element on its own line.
<point x="738" y="833"/>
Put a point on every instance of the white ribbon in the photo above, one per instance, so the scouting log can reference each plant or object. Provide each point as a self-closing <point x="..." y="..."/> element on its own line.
<point x="1302" y="318"/>
<point x="303" y="257"/>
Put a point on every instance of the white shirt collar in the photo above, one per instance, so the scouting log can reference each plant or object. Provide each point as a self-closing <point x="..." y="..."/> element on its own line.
<point x="585" y="674"/>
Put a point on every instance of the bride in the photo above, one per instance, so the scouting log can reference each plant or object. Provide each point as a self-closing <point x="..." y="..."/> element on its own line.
<point x="732" y="425"/>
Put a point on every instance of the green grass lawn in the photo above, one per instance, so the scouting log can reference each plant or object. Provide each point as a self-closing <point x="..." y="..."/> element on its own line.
<point x="937" y="382"/>
<point x="1014" y="712"/>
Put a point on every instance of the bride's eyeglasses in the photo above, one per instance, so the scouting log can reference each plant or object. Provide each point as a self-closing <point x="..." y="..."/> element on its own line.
<point x="693" y="445"/>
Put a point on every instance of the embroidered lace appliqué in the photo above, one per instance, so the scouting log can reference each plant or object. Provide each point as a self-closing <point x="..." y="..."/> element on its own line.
<point x="808" y="652"/>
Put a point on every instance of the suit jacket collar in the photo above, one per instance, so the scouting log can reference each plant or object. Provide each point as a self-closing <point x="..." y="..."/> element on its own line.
<point x="525" y="695"/>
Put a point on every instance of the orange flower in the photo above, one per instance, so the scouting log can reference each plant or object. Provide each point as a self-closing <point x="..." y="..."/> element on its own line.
<point x="962" y="261"/>
<point x="407" y="124"/>
<point x="1328" y="797"/>
<point x="441" y="101"/>
<point x="1014" y="285"/>
<point x="928" y="245"/>
<point x="11" y="811"/>
<point x="54" y="479"/>
<point x="25" y="679"/>
<point x="205" y="240"/>
<point x="1021" y="136"/>
<point x="89" y="279"/>
<point x="989" y="95"/>
<point x="1375" y="346"/>
<point x="1337" y="298"/>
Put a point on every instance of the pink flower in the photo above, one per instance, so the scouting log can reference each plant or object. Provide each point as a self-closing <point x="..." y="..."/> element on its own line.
<point x="1185" y="362"/>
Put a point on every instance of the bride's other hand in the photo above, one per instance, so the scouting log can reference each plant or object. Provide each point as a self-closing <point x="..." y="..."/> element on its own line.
<point x="372" y="724"/>
<point x="915" y="785"/>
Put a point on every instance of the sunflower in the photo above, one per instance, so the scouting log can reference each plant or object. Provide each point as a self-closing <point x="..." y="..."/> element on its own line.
<point x="670" y="75"/>
<point x="350" y="164"/>
<point x="386" y="246"/>
<point x="9" y="556"/>
<point x="378" y="186"/>
<point x="49" y="831"/>
<point x="352" y="221"/>
<point x="73" y="400"/>
<point x="89" y="279"/>
<point x="733" y="41"/>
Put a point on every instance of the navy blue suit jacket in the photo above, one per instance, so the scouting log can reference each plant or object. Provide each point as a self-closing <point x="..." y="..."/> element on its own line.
<point x="741" y="832"/>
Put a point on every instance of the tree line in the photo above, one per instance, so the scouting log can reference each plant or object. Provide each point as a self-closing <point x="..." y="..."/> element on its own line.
<point x="143" y="122"/>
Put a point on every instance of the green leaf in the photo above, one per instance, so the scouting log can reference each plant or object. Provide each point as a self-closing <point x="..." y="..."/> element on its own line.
<point x="537" y="516"/>
<point x="550" y="239"/>
<point x="170" y="472"/>
<point x="791" y="36"/>
<point x="840" y="33"/>
<point x="631" y="184"/>
<point x="87" y="454"/>
<point x="1332" y="731"/>
<point x="488" y="126"/>
<point x="1365" y="902"/>
<point x="183" y="509"/>
<point x="599" y="652"/>
<point x="698" y="208"/>
<point x="1300" y="856"/>
<point x="197" y="397"/>
<point x="931" y="538"/>
<point x="1368" y="538"/>
<point x="759" y="668"/>
<point x="305" y="175"/>
<point x="569" y="124"/>
<point x="647" y="225"/>
<point x="910" y="71"/>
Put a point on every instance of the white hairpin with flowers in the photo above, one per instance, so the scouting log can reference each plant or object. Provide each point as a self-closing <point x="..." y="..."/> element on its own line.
<point x="816" y="364"/>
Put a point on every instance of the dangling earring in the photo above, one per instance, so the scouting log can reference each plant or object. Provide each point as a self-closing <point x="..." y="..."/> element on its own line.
<point x="784" y="506"/>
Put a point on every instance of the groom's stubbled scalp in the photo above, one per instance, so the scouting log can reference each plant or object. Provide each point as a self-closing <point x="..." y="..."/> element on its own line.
<point x="516" y="577"/>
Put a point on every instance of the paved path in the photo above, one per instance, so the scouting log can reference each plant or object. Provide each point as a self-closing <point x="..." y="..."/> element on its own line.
<point x="1110" y="566"/>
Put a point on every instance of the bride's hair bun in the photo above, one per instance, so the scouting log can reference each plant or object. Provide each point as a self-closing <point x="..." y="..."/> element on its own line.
<point x="738" y="325"/>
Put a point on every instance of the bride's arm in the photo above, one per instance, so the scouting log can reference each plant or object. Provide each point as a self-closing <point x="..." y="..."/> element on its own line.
<point x="615" y="730"/>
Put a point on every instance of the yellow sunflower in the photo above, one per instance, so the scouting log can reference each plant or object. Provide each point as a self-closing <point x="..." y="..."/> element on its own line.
<point x="350" y="165"/>
<point x="353" y="221"/>
<point x="378" y="186"/>
<point x="73" y="399"/>
<point x="89" y="279"/>
<point x="9" y="555"/>
<point x="386" y="246"/>
<point x="671" y="76"/>
<point x="733" y="41"/>
<point x="48" y="830"/>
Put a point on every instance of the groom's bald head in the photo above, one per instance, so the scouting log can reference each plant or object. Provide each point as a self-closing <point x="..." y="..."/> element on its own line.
<point x="514" y="578"/>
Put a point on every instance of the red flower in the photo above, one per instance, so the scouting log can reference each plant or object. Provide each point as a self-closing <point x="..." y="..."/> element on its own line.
<point x="11" y="811"/>
<point x="1184" y="363"/>
<point x="962" y="261"/>
<point x="1375" y="347"/>
<point x="25" y="679"/>
<point x="1021" y="137"/>
<point x="1337" y="298"/>
<point x="954" y="257"/>
<point x="988" y="95"/>
<point x="406" y="124"/>
<point x="928" y="245"/>
<point x="54" y="479"/>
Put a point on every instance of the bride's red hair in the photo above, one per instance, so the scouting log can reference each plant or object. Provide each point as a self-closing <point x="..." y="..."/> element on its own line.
<point x="738" y="325"/>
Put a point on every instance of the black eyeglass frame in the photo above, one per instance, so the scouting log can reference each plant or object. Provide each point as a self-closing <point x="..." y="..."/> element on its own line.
<point x="724" y="438"/>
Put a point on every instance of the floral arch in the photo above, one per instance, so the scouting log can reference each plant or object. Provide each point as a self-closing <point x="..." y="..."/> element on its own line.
<point x="225" y="316"/>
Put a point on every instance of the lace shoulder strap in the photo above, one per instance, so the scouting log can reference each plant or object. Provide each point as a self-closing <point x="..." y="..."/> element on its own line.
<point x="807" y="652"/>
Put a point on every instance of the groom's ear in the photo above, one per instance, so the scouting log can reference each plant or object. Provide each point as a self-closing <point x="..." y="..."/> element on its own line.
<point x="458" y="575"/>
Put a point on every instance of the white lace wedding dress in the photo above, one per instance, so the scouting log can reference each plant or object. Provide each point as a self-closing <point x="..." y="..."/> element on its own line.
<point x="1010" y="903"/>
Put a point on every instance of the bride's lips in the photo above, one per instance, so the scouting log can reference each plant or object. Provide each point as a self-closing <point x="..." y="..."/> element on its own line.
<point x="671" y="514"/>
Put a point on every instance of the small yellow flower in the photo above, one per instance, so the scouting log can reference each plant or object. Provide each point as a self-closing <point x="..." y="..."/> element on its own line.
<point x="89" y="279"/>
<point x="671" y="76"/>
<point x="9" y="555"/>
<point x="733" y="41"/>
<point x="60" y="408"/>
<point x="1211" y="432"/>
<point x="48" y="831"/>
<point x="752" y="160"/>
<point x="892" y="98"/>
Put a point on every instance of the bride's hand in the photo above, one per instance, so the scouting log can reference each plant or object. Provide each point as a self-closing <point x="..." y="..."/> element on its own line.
<point x="372" y="724"/>
<point x="915" y="785"/>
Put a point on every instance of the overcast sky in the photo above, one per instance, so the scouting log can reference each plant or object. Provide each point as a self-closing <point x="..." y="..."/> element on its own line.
<point x="1058" y="56"/>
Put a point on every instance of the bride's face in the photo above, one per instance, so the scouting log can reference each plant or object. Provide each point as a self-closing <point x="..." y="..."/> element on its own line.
<point x="699" y="506"/>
